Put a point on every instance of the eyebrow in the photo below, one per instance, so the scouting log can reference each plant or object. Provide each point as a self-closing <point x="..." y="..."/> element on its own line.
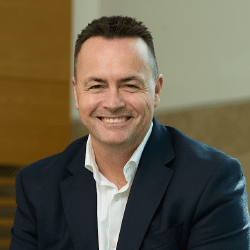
<point x="122" y="80"/>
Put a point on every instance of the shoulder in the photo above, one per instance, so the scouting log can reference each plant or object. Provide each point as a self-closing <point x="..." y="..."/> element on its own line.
<point x="200" y="157"/>
<point x="185" y="145"/>
<point x="201" y="170"/>
<point x="61" y="159"/>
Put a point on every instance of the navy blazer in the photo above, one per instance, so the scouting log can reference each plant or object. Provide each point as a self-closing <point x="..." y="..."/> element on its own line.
<point x="185" y="195"/>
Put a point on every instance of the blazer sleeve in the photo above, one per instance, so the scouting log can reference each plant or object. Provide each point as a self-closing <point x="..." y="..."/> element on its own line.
<point x="24" y="230"/>
<point x="221" y="220"/>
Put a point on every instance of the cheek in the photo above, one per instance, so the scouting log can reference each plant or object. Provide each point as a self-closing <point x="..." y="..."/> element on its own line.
<point x="142" y="103"/>
<point x="148" y="100"/>
<point x="88" y="104"/>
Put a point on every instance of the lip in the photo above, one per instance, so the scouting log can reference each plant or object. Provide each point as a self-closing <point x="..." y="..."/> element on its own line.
<point x="114" y="124"/>
<point x="114" y="117"/>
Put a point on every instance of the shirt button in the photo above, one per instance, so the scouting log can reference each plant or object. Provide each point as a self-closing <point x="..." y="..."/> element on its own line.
<point x="112" y="244"/>
<point x="116" y="197"/>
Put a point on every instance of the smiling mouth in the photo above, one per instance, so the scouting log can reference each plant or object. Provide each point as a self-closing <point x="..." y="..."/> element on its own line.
<point x="115" y="120"/>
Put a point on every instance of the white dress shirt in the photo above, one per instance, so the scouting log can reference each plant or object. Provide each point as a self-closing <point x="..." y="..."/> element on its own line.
<point x="111" y="202"/>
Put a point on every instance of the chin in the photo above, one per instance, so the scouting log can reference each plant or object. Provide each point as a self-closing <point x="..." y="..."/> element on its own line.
<point x="114" y="140"/>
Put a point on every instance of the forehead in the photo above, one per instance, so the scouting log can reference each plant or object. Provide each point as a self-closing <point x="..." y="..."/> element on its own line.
<point x="99" y="43"/>
<point x="132" y="47"/>
<point x="118" y="53"/>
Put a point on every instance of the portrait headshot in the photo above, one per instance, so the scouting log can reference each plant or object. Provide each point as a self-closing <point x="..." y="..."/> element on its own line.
<point x="135" y="175"/>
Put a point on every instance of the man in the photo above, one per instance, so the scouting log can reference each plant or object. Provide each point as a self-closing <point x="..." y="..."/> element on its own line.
<point x="131" y="183"/>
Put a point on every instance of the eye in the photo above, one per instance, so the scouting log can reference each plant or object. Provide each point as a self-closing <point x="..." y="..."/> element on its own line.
<point x="131" y="86"/>
<point x="95" y="87"/>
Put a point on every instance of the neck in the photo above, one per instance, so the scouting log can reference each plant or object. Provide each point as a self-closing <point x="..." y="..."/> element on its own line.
<point x="111" y="161"/>
<point x="112" y="155"/>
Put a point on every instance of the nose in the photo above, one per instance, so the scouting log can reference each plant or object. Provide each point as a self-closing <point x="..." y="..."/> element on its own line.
<point x="114" y="100"/>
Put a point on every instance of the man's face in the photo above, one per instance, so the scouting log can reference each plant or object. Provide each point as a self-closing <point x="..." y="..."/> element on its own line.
<point x="115" y="92"/>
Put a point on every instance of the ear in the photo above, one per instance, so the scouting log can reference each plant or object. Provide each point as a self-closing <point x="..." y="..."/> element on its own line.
<point x="74" y="85"/>
<point x="158" y="88"/>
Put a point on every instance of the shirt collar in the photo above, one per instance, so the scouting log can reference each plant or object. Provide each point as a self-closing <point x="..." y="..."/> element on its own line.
<point x="130" y="167"/>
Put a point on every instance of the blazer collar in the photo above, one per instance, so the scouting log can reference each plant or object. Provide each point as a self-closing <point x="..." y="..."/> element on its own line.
<point x="79" y="195"/>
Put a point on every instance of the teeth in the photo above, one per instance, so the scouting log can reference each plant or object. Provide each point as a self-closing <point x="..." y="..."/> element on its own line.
<point x="116" y="120"/>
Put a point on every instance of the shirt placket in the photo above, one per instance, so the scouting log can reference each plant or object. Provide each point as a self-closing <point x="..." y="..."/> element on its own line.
<point x="115" y="218"/>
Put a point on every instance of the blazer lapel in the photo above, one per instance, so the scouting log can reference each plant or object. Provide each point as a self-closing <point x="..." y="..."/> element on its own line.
<point x="79" y="200"/>
<point x="149" y="185"/>
<point x="79" y="197"/>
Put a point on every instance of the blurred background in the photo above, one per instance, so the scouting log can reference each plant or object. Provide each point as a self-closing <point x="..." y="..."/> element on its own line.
<point x="202" y="49"/>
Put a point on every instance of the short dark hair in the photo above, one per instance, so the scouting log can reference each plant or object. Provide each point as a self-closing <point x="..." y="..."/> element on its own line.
<point x="116" y="27"/>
